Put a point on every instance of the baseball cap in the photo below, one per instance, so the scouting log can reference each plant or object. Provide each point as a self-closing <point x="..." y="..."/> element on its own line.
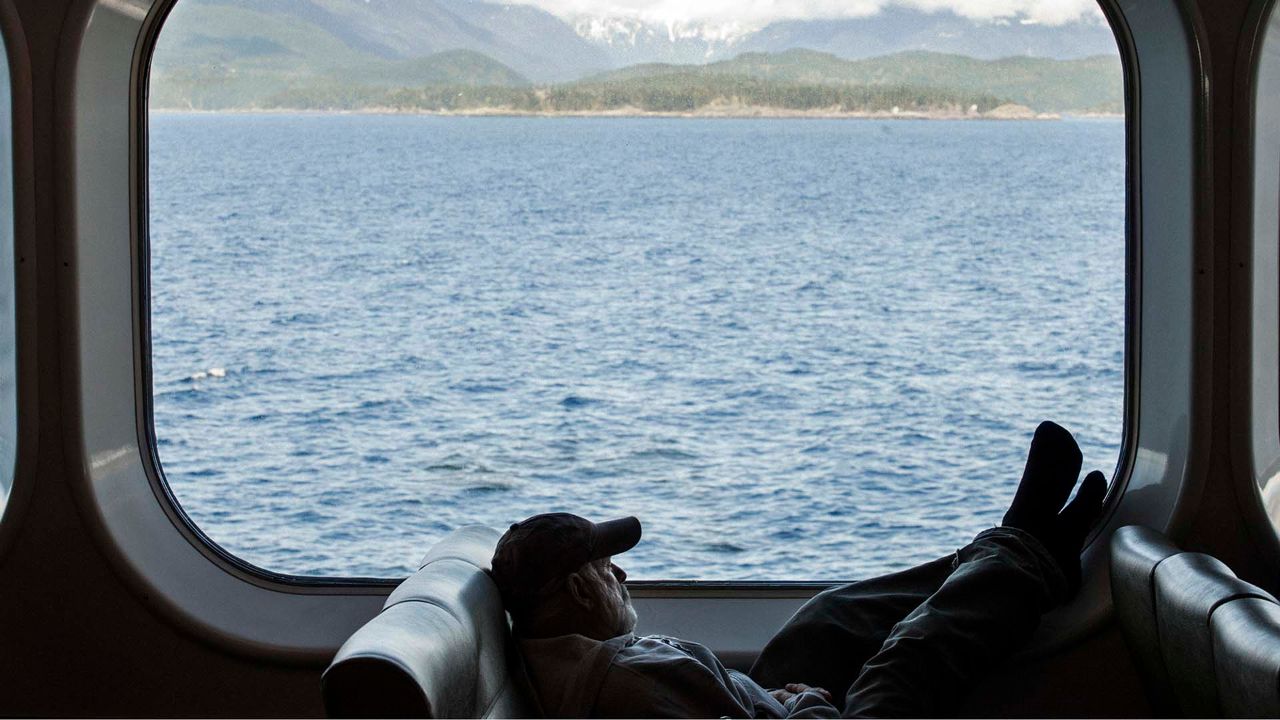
<point x="535" y="554"/>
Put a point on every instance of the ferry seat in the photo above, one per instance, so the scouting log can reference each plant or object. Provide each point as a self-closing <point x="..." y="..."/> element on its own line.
<point x="440" y="647"/>
<point x="1195" y="630"/>
<point x="1246" y="646"/>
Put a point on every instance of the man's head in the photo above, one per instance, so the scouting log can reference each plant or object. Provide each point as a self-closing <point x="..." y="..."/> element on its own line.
<point x="556" y="575"/>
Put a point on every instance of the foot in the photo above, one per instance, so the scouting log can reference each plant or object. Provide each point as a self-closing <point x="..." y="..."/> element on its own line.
<point x="1053" y="464"/>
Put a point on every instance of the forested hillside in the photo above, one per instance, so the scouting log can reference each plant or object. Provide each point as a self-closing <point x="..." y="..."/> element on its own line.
<point x="320" y="55"/>
<point x="1093" y="84"/>
<point x="725" y="94"/>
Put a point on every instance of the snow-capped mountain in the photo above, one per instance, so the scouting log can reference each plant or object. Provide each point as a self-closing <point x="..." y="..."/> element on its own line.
<point x="343" y="36"/>
<point x="538" y="45"/>
<point x="896" y="29"/>
<point x="629" y="40"/>
<point x="632" y="40"/>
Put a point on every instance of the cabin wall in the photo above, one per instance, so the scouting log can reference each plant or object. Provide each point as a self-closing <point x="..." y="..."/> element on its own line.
<point x="1249" y="548"/>
<point x="76" y="639"/>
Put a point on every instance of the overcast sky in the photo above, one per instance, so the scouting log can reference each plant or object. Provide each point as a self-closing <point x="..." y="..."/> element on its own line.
<point x="759" y="12"/>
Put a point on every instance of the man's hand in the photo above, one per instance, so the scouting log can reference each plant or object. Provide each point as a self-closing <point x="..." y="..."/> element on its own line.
<point x="1053" y="464"/>
<point x="782" y="695"/>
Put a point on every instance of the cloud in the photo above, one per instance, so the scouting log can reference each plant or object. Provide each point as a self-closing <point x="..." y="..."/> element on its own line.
<point x="1048" y="12"/>
<point x="755" y="13"/>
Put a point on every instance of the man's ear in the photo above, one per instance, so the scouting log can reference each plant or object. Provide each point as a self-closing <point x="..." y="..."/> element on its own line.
<point x="577" y="586"/>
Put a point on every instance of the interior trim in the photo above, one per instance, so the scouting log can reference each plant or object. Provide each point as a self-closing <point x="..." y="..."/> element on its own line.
<point x="178" y="571"/>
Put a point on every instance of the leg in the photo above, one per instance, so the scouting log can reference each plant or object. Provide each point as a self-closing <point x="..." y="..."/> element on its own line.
<point x="986" y="609"/>
<point x="830" y="637"/>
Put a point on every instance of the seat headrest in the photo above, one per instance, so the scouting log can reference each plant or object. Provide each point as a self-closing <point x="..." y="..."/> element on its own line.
<point x="1189" y="588"/>
<point x="472" y="544"/>
<point x="1136" y="551"/>
<point x="1246" y="654"/>
<point x="441" y="647"/>
<point x="1206" y="641"/>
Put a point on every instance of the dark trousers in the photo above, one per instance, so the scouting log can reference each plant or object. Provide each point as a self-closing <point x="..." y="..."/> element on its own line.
<point x="910" y="644"/>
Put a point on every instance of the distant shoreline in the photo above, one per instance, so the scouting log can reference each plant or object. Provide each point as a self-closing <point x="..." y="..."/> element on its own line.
<point x="711" y="112"/>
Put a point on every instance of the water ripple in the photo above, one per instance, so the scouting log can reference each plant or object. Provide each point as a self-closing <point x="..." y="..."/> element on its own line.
<point x="810" y="349"/>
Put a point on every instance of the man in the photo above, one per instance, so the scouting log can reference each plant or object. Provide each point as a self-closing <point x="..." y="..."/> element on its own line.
<point x="903" y="645"/>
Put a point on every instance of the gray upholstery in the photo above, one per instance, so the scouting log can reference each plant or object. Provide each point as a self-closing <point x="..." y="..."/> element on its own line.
<point x="1189" y="588"/>
<point x="1246" y="650"/>
<point x="441" y="647"/>
<point x="1135" y="553"/>
<point x="1207" y="642"/>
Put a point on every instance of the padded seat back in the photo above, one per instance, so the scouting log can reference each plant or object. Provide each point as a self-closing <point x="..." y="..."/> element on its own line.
<point x="1181" y="615"/>
<point x="1190" y="588"/>
<point x="1246" y="650"/>
<point x="441" y="647"/>
<point x="1135" y="553"/>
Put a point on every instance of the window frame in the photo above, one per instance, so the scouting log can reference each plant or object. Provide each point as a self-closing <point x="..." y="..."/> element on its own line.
<point x="24" y="319"/>
<point x="178" y="569"/>
<point x="1255" y="251"/>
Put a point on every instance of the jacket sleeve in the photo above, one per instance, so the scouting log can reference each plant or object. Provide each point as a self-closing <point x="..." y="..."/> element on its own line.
<point x="686" y="688"/>
<point x="810" y="704"/>
<point x="671" y="687"/>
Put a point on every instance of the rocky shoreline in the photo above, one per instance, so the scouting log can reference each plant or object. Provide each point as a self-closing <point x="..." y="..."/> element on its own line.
<point x="727" y="111"/>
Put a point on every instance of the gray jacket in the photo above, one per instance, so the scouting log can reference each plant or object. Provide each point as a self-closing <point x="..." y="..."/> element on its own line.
<point x="652" y="676"/>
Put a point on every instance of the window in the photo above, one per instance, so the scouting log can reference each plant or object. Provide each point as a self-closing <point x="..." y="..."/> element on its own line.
<point x="1263" y="219"/>
<point x="8" y="318"/>
<point x="397" y="289"/>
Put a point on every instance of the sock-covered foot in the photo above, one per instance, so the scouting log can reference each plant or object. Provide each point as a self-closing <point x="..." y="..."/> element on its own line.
<point x="1053" y="464"/>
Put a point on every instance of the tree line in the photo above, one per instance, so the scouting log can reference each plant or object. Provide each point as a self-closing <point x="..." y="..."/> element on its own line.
<point x="666" y="94"/>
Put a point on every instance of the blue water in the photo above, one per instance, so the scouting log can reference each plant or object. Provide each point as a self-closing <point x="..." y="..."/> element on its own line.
<point x="796" y="349"/>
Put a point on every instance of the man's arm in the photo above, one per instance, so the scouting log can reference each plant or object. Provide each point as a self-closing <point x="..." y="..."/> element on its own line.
<point x="687" y="680"/>
<point x="803" y="701"/>
<point x="667" y="688"/>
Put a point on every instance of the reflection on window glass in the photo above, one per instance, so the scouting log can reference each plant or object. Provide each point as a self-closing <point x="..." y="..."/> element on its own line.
<point x="793" y="287"/>
<point x="8" y="329"/>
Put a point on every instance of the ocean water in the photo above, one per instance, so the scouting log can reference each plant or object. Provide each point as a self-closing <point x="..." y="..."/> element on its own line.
<point x="796" y="349"/>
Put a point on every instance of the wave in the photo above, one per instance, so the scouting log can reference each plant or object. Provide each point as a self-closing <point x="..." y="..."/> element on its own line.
<point x="215" y="373"/>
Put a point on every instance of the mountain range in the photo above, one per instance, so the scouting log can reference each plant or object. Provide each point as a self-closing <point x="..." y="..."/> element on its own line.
<point x="1092" y="84"/>
<point x="629" y="41"/>
<point x="323" y="34"/>
<point x="219" y="54"/>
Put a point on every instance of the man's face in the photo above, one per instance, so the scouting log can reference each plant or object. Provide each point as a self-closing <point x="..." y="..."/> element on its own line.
<point x="614" y="611"/>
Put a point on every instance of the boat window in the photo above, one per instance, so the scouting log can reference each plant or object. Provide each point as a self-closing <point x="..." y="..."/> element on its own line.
<point x="1264" y="265"/>
<point x="8" y="317"/>
<point x="794" y="287"/>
